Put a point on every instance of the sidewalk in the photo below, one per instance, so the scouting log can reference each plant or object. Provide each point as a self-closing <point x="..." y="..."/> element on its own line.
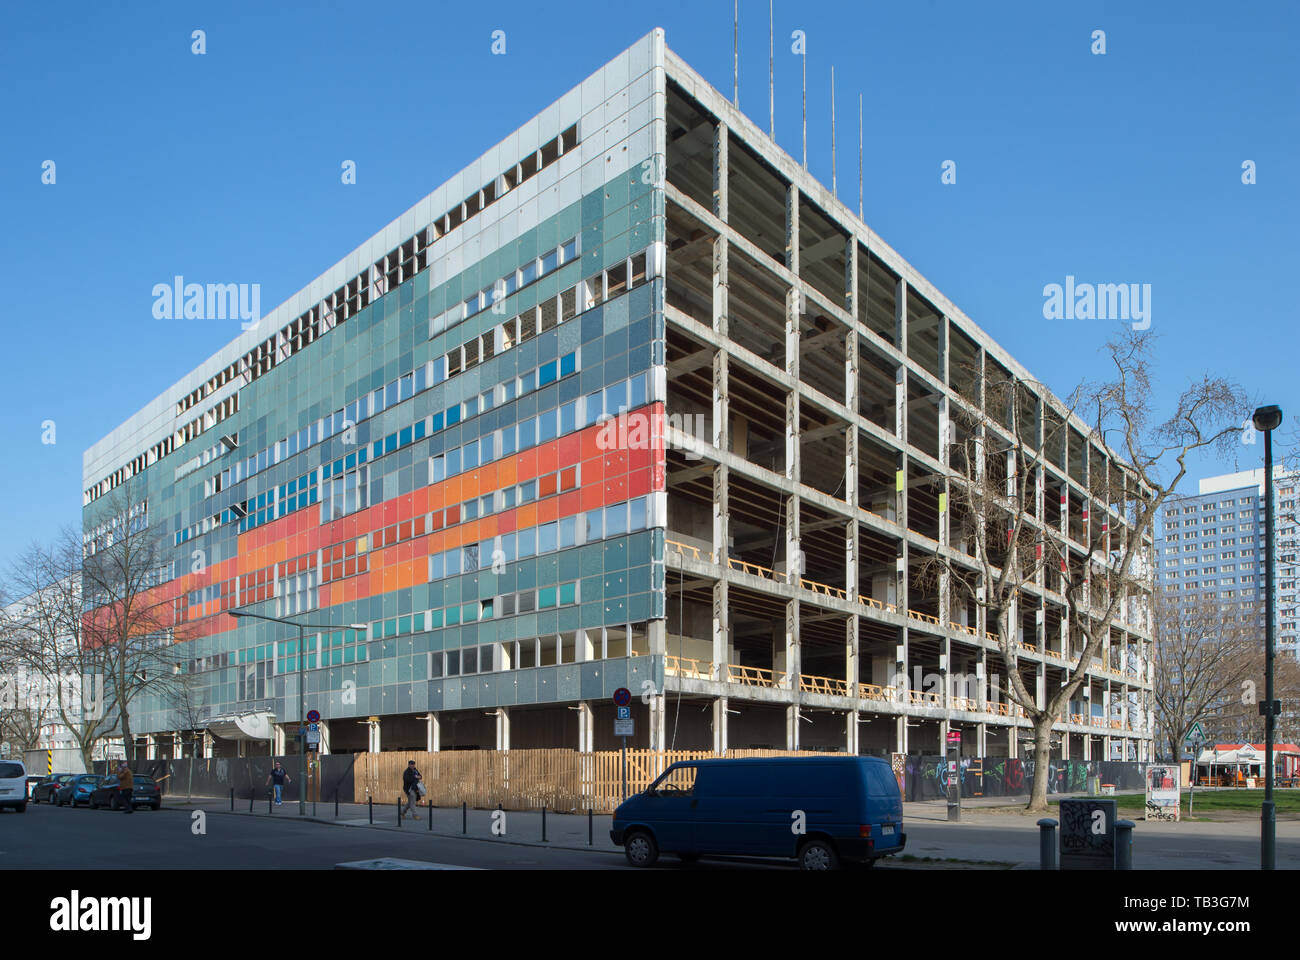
<point x="566" y="831"/>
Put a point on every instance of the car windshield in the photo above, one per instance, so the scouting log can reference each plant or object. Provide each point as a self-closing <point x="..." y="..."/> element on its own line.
<point x="144" y="781"/>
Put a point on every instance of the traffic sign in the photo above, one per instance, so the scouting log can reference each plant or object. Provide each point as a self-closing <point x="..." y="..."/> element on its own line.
<point x="622" y="696"/>
<point x="954" y="736"/>
<point x="1197" y="733"/>
<point x="623" y="728"/>
<point x="625" y="713"/>
<point x="313" y="716"/>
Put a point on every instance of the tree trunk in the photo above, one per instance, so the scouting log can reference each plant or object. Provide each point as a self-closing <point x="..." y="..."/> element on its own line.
<point x="1042" y="754"/>
<point x="189" y="790"/>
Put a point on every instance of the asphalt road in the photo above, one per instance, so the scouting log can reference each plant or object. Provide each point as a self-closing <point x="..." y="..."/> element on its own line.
<point x="63" y="838"/>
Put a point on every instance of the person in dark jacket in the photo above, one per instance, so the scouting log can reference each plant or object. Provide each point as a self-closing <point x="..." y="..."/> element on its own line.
<point x="281" y="777"/>
<point x="410" y="778"/>
<point x="125" y="785"/>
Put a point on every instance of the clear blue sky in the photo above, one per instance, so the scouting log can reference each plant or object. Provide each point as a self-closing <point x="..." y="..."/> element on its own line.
<point x="225" y="167"/>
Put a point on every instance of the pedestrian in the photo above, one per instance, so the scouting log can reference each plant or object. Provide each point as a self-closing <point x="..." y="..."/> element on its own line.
<point x="125" y="785"/>
<point x="281" y="777"/>
<point x="411" y="778"/>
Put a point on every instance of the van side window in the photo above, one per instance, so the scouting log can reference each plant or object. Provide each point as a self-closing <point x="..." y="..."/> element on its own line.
<point x="881" y="779"/>
<point x="679" y="782"/>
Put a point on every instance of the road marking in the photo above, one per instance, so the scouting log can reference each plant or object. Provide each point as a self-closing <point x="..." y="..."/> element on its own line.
<point x="396" y="863"/>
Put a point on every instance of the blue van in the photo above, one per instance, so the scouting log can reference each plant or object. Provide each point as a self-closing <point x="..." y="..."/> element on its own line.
<point x="819" y="810"/>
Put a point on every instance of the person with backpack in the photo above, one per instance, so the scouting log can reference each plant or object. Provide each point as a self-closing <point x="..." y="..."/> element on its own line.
<point x="281" y="777"/>
<point x="411" y="778"/>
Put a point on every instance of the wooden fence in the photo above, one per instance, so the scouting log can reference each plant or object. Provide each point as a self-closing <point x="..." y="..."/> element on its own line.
<point x="562" y="780"/>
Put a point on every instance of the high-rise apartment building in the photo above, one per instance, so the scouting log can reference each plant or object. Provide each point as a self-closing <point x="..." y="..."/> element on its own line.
<point x="418" y="441"/>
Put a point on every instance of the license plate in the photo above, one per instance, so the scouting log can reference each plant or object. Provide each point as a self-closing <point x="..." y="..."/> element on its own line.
<point x="887" y="829"/>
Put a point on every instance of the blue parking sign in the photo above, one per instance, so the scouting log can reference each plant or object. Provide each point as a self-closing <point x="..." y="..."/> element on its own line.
<point x="624" y="713"/>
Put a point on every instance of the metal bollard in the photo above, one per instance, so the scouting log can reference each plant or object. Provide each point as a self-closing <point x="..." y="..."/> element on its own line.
<point x="543" y="824"/>
<point x="1123" y="844"/>
<point x="589" y="828"/>
<point x="336" y="804"/>
<point x="270" y="800"/>
<point x="464" y="818"/>
<point x="232" y="799"/>
<point x="370" y="806"/>
<point x="399" y="813"/>
<point x="1047" y="844"/>
<point x="429" y="813"/>
<point x="250" y="800"/>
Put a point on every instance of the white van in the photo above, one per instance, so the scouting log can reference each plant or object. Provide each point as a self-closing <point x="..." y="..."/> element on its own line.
<point x="13" y="785"/>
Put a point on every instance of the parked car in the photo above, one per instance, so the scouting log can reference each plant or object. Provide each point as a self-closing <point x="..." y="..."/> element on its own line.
<point x="46" y="786"/>
<point x="144" y="793"/>
<point x="77" y="790"/>
<point x="13" y="785"/>
<point x="819" y="810"/>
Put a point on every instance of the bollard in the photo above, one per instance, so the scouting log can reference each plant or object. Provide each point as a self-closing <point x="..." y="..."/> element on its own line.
<point x="1047" y="844"/>
<point x="1123" y="844"/>
<point x="430" y="817"/>
<point x="370" y="806"/>
<point x="232" y="799"/>
<point x="543" y="823"/>
<point x="589" y="828"/>
<point x="269" y="800"/>
<point x="336" y="804"/>
<point x="399" y="813"/>
<point x="250" y="800"/>
<point x="464" y="818"/>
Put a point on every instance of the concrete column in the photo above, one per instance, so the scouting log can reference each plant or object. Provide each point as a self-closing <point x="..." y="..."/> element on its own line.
<point x="503" y="728"/>
<point x="586" y="728"/>
<point x="150" y="747"/>
<point x="900" y="735"/>
<point x="1087" y="746"/>
<point x="1065" y="744"/>
<point x="1013" y="733"/>
<point x="658" y="723"/>
<point x="792" y="722"/>
<point x="208" y="745"/>
<point x="720" y="726"/>
<point x="278" y="742"/>
<point x="433" y="732"/>
<point x="375" y="740"/>
<point x="981" y="739"/>
<point x="721" y="630"/>
<point x="324" y="727"/>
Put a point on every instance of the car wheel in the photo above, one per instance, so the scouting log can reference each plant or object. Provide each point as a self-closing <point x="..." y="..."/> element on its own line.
<point x="156" y="806"/>
<point x="21" y="808"/>
<point x="641" y="849"/>
<point x="818" y="855"/>
<point x="94" y="804"/>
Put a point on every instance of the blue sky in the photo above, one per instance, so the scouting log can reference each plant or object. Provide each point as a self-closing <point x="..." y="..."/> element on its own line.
<point x="225" y="168"/>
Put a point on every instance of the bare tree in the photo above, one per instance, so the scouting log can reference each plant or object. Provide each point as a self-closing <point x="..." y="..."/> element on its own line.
<point x="1204" y="653"/>
<point x="1098" y="566"/>
<point x="190" y="713"/>
<point x="128" y="618"/>
<point x="43" y="633"/>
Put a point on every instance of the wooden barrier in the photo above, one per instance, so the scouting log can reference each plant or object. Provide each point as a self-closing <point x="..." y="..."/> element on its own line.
<point x="564" y="781"/>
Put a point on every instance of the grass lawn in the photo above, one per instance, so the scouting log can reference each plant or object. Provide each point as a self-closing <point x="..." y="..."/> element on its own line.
<point x="1218" y="801"/>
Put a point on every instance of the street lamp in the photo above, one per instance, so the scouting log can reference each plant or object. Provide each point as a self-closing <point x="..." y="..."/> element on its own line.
<point x="302" y="692"/>
<point x="1266" y="420"/>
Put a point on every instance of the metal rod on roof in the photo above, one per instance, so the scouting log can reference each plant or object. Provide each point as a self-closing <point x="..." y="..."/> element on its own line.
<point x="834" y="191"/>
<point x="771" y="67"/>
<point x="805" y="106"/>
<point x="735" y="53"/>
<point x="859" y="156"/>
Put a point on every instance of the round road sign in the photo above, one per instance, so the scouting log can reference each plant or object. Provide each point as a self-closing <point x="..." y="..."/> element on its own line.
<point x="622" y="696"/>
<point x="313" y="716"/>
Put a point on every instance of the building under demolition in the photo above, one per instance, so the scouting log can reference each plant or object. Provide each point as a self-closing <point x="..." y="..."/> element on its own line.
<point x="421" y="441"/>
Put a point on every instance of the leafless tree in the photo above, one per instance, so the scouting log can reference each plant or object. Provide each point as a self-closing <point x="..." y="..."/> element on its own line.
<point x="1098" y="568"/>
<point x="1205" y="655"/>
<point x="128" y="618"/>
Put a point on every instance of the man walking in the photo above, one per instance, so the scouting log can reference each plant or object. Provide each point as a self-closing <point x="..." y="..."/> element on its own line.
<point x="410" y="786"/>
<point x="281" y="777"/>
<point x="125" y="786"/>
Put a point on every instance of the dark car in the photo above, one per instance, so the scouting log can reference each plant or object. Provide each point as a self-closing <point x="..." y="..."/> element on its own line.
<point x="144" y="793"/>
<point x="47" y="785"/>
<point x="77" y="790"/>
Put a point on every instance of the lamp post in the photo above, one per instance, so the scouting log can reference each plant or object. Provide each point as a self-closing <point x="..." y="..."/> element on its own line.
<point x="1266" y="420"/>
<point x="302" y="692"/>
